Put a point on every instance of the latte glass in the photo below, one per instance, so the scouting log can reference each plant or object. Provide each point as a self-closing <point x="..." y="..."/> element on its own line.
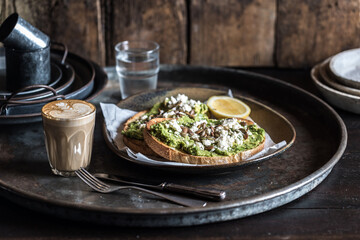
<point x="69" y="129"/>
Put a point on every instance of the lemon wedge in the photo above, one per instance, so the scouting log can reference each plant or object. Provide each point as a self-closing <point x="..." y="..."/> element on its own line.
<point x="228" y="107"/>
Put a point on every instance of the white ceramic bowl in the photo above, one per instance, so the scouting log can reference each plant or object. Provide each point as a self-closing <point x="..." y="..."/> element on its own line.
<point x="346" y="67"/>
<point x="339" y="99"/>
<point x="328" y="79"/>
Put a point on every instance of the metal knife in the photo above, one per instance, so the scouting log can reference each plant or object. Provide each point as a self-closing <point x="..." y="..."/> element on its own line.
<point x="209" y="194"/>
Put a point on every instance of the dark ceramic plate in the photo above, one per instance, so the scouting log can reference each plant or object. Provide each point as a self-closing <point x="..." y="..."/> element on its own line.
<point x="84" y="75"/>
<point x="61" y="87"/>
<point x="89" y="81"/>
<point x="56" y="75"/>
<point x="277" y="126"/>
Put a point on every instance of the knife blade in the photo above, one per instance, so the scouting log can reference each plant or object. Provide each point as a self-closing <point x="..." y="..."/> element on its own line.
<point x="209" y="194"/>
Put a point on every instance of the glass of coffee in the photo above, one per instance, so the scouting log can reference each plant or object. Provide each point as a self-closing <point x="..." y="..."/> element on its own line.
<point x="69" y="129"/>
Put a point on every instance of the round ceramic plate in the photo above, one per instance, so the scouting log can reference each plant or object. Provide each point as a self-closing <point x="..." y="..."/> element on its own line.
<point x="56" y="75"/>
<point x="277" y="126"/>
<point x="61" y="87"/>
<point x="89" y="81"/>
<point x="339" y="99"/>
<point x="329" y="80"/>
<point x="346" y="67"/>
<point x="84" y="75"/>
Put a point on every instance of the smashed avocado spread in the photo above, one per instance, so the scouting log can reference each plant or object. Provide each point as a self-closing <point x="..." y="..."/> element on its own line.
<point x="201" y="136"/>
<point x="172" y="107"/>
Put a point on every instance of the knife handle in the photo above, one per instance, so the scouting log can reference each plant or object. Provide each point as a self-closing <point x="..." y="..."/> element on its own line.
<point x="210" y="194"/>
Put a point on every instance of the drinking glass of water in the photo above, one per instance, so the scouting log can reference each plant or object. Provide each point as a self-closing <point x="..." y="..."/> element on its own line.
<point x="137" y="66"/>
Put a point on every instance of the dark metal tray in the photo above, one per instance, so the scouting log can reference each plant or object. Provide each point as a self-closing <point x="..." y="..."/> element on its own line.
<point x="25" y="175"/>
<point x="90" y="79"/>
<point x="56" y="75"/>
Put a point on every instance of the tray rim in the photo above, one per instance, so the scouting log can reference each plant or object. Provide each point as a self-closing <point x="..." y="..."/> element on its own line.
<point x="322" y="171"/>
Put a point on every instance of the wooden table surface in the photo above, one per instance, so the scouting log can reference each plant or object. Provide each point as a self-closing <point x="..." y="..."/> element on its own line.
<point x="331" y="210"/>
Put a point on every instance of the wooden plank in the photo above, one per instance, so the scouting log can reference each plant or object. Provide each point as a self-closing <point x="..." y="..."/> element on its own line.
<point x="309" y="31"/>
<point x="35" y="12"/>
<point x="233" y="32"/>
<point x="161" y="21"/>
<point x="280" y="223"/>
<point x="78" y="24"/>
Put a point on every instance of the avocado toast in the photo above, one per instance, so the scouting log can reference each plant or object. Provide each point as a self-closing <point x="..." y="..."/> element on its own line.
<point x="201" y="140"/>
<point x="172" y="107"/>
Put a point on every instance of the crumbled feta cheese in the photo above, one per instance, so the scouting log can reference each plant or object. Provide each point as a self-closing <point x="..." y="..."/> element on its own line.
<point x="237" y="135"/>
<point x="225" y="142"/>
<point x="199" y="123"/>
<point x="207" y="142"/>
<point x="187" y="108"/>
<point x="173" y="100"/>
<point x="239" y="141"/>
<point x="195" y="137"/>
<point x="194" y="128"/>
<point x="169" y="114"/>
<point x="236" y="126"/>
<point x="182" y="98"/>
<point x="174" y="124"/>
<point x="231" y="123"/>
<point x="192" y="103"/>
<point x="219" y="129"/>
<point x="144" y="117"/>
<point x="199" y="145"/>
<point x="224" y="133"/>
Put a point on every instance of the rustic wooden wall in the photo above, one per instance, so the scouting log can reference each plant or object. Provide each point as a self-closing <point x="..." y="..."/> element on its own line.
<point x="232" y="32"/>
<point x="282" y="33"/>
<point x="162" y="21"/>
<point x="309" y="31"/>
<point x="76" y="23"/>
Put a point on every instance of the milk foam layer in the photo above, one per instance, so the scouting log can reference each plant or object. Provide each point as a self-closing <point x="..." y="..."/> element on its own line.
<point x="68" y="109"/>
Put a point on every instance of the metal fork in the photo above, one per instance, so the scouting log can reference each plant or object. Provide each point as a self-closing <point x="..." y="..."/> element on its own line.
<point x="102" y="187"/>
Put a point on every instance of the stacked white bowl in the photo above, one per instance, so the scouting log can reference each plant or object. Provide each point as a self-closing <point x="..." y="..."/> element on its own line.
<point x="338" y="79"/>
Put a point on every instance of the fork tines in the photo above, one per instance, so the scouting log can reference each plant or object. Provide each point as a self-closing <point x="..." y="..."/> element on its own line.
<point x="91" y="181"/>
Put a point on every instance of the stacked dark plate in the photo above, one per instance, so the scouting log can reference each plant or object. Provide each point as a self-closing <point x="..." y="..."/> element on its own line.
<point x="338" y="79"/>
<point x="71" y="77"/>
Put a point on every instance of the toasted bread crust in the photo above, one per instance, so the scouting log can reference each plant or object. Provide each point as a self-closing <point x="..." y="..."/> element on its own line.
<point x="137" y="145"/>
<point x="177" y="156"/>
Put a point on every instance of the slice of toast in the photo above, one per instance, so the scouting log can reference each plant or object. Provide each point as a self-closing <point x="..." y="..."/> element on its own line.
<point x="137" y="145"/>
<point x="175" y="155"/>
